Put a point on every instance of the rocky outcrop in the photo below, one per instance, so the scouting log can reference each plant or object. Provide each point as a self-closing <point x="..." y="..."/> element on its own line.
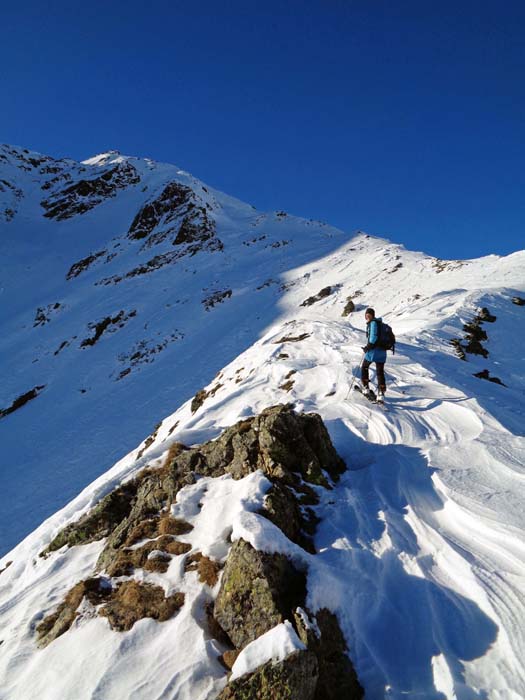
<point x="295" y="678"/>
<point x="485" y="374"/>
<point x="475" y="335"/>
<point x="172" y="203"/>
<point x="260" y="591"/>
<point x="109" y="324"/>
<point x="349" y="307"/>
<point x="337" y="678"/>
<point x="257" y="590"/>
<point x="177" y="214"/>
<point x="84" y="195"/>
<point x="289" y="448"/>
<point x="325" y="292"/>
<point x="22" y="400"/>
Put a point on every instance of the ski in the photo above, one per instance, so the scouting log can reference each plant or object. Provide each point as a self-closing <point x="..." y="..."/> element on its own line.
<point x="372" y="397"/>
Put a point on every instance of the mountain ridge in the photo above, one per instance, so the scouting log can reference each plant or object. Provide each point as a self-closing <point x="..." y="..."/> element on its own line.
<point x="430" y="506"/>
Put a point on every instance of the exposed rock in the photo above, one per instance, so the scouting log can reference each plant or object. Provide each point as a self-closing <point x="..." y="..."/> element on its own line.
<point x="145" y="352"/>
<point x="216" y="298"/>
<point x="395" y="268"/>
<point x="7" y="565"/>
<point x="485" y="374"/>
<point x="101" y="520"/>
<point x="284" y="445"/>
<point x="133" y="601"/>
<point x="485" y="315"/>
<point x="166" y="207"/>
<point x="84" y="264"/>
<point x="84" y="195"/>
<point x="474" y="335"/>
<point x="349" y="307"/>
<point x="283" y="508"/>
<point x="22" y="400"/>
<point x="110" y="324"/>
<point x="292" y="338"/>
<point x="518" y="301"/>
<point x="149" y="441"/>
<point x="152" y="556"/>
<point x="201" y="396"/>
<point x="258" y="591"/>
<point x="287" y="385"/>
<point x="447" y="265"/>
<point x="94" y="589"/>
<point x="295" y="678"/>
<point x="337" y="677"/>
<point x="44" y="313"/>
<point x="325" y="292"/>
<point x="456" y="342"/>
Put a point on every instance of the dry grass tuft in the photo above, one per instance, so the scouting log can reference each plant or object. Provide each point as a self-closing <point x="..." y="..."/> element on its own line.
<point x="134" y="601"/>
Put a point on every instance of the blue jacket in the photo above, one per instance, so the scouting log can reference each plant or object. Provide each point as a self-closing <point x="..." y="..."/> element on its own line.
<point x="374" y="354"/>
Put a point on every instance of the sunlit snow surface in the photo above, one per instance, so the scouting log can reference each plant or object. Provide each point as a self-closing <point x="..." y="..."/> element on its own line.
<point x="421" y="545"/>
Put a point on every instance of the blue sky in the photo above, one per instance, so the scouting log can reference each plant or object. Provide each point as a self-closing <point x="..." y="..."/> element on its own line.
<point x="405" y="119"/>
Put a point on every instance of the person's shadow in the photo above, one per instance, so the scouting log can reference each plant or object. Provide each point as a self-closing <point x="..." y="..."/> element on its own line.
<point x="400" y="587"/>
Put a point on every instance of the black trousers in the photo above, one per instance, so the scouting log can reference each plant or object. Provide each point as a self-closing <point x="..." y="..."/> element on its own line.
<point x="380" y="372"/>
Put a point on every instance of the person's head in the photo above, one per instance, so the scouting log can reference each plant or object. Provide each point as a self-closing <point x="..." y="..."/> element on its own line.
<point x="370" y="314"/>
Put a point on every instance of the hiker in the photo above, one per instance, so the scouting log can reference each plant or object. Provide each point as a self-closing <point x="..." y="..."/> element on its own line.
<point x="373" y="353"/>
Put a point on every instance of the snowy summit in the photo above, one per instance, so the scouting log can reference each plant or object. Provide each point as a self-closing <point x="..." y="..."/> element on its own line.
<point x="195" y="502"/>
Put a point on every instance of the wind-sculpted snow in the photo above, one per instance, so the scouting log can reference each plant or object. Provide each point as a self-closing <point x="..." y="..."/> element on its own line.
<point x="420" y="544"/>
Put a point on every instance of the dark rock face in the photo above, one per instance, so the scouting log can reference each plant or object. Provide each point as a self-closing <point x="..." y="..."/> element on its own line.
<point x="475" y="335"/>
<point x="44" y="314"/>
<point x="518" y="301"/>
<point x="177" y="210"/>
<point x="337" y="678"/>
<point x="325" y="292"/>
<point x="22" y="400"/>
<point x="108" y="324"/>
<point x="485" y="374"/>
<point x="295" y="678"/>
<point x="167" y="206"/>
<point x="216" y="298"/>
<point x="258" y="591"/>
<point x="84" y="264"/>
<point x="84" y="195"/>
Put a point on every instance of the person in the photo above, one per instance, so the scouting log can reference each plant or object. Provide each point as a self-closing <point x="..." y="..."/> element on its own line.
<point x="373" y="353"/>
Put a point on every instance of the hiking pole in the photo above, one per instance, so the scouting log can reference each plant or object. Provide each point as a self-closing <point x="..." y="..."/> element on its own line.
<point x="354" y="376"/>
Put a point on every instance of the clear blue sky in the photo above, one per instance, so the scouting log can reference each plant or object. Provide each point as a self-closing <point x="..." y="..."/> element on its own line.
<point x="405" y="119"/>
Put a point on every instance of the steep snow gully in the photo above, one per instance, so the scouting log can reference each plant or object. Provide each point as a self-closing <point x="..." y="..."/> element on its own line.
<point x="420" y="544"/>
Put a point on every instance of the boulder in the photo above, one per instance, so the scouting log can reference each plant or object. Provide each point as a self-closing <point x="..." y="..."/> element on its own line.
<point x="295" y="678"/>
<point x="258" y="591"/>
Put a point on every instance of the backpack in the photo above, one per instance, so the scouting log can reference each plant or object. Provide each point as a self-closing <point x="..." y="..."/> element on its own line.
<point x="385" y="337"/>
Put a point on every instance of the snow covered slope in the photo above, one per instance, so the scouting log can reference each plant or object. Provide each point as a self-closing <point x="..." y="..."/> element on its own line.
<point x="420" y="544"/>
<point x="125" y="286"/>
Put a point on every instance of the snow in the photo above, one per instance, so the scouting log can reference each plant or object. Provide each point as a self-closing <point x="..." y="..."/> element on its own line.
<point x="420" y="546"/>
<point x="275" y="645"/>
